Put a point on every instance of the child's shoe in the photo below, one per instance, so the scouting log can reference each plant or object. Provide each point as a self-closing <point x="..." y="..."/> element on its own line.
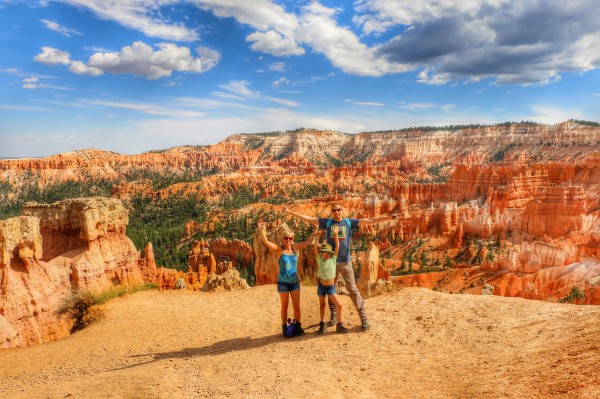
<point x="339" y="328"/>
<point x="322" y="328"/>
<point x="299" y="330"/>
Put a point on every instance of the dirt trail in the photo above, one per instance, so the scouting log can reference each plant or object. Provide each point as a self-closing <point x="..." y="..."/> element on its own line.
<point x="423" y="344"/>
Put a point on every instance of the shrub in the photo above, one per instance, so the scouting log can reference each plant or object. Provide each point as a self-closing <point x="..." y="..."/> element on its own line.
<point x="79" y="306"/>
<point x="575" y="293"/>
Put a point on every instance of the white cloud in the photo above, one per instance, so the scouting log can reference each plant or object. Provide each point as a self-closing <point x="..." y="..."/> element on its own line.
<point x="340" y="45"/>
<point x="277" y="66"/>
<point x="509" y="41"/>
<point x="550" y="115"/>
<point x="429" y="77"/>
<point x="365" y="103"/>
<point x="138" y="59"/>
<point x="52" y="56"/>
<point x="282" y="81"/>
<point x="21" y="108"/>
<point x="240" y="88"/>
<point x="262" y="15"/>
<point x="273" y="43"/>
<point x="414" y="106"/>
<point x="79" y="68"/>
<point x="33" y="83"/>
<point x="141" y="15"/>
<point x="141" y="59"/>
<point x="227" y="95"/>
<point x="150" y="109"/>
<point x="59" y="28"/>
<point x="281" y="101"/>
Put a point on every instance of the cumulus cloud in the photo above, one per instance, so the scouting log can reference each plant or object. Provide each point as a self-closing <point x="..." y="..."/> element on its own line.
<point x="138" y="59"/>
<point x="52" y="25"/>
<point x="506" y="41"/>
<point x="52" y="56"/>
<point x="79" y="68"/>
<point x="273" y="43"/>
<point x="510" y="41"/>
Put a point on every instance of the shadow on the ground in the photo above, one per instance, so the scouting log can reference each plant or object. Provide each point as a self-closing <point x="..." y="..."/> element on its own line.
<point x="217" y="348"/>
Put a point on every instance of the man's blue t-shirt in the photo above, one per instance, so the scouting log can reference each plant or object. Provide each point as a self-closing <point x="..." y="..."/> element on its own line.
<point x="344" y="235"/>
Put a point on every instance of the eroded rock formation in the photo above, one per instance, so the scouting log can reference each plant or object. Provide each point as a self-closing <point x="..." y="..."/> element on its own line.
<point x="52" y="250"/>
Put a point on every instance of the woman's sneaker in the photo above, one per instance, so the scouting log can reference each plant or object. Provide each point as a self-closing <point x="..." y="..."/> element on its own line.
<point x="299" y="329"/>
<point x="339" y="328"/>
<point x="284" y="330"/>
<point x="322" y="328"/>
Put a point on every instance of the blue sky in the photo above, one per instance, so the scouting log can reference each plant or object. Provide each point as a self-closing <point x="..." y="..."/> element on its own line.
<point x="131" y="75"/>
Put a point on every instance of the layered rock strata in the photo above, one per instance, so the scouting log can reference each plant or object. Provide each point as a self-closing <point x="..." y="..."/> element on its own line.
<point x="53" y="250"/>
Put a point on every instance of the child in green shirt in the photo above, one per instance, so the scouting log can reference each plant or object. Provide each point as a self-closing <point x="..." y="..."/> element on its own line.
<point x="326" y="262"/>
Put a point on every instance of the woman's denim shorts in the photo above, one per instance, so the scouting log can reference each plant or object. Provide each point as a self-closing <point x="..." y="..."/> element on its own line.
<point x="287" y="287"/>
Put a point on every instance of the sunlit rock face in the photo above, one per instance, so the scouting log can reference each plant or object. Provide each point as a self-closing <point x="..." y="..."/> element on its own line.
<point x="55" y="249"/>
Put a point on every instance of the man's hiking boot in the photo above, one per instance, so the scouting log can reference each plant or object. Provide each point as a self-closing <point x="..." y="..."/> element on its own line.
<point x="339" y="328"/>
<point x="365" y="325"/>
<point x="322" y="328"/>
<point x="284" y="330"/>
<point x="332" y="321"/>
<point x="299" y="329"/>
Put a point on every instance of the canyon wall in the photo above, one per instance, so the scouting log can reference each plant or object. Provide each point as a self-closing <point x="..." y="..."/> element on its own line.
<point x="53" y="250"/>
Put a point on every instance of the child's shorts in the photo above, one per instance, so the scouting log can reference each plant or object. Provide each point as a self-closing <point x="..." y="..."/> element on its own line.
<point x="287" y="287"/>
<point x="323" y="290"/>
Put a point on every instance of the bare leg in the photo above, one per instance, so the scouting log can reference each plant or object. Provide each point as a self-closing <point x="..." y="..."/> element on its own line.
<point x="285" y="300"/>
<point x="322" y="307"/>
<point x="296" y="304"/>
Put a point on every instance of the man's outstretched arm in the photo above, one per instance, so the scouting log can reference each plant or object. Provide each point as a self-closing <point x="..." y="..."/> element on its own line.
<point x="307" y="219"/>
<point x="368" y="221"/>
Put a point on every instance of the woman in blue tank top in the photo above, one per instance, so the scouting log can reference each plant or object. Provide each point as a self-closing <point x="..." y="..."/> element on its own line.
<point x="288" y="283"/>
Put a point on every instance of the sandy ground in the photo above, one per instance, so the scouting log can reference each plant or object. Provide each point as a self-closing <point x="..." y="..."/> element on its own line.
<point x="423" y="344"/>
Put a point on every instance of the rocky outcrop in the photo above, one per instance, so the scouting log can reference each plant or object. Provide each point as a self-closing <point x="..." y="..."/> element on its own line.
<point x="552" y="283"/>
<point x="52" y="250"/>
<point x="370" y="283"/>
<point x="170" y="279"/>
<point x="227" y="281"/>
<point x="238" y="252"/>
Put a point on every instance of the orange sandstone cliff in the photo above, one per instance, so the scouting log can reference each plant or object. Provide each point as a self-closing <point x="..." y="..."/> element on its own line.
<point x="51" y="251"/>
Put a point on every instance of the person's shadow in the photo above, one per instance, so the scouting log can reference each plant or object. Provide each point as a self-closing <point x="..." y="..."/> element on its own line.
<point x="217" y="348"/>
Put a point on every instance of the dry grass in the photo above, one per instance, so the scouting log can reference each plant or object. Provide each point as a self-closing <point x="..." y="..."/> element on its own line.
<point x="80" y="306"/>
